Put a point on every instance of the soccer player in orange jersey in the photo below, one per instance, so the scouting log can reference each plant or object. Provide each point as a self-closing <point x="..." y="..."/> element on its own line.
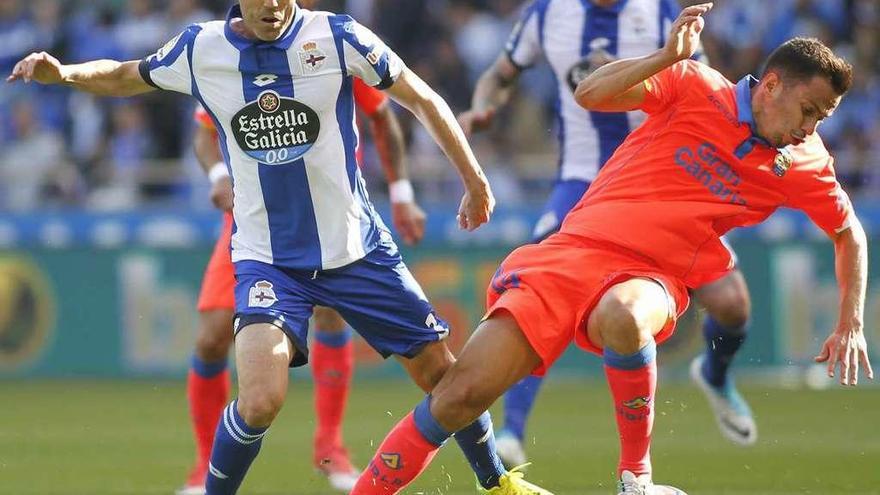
<point x="332" y="353"/>
<point x="711" y="156"/>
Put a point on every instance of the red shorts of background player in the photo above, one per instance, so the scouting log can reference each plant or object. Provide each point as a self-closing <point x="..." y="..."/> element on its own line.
<point x="550" y="289"/>
<point x="218" y="284"/>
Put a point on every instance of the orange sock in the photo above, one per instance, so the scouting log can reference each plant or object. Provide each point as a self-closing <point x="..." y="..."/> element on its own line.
<point x="207" y="398"/>
<point x="633" y="393"/>
<point x="332" y="368"/>
<point x="403" y="455"/>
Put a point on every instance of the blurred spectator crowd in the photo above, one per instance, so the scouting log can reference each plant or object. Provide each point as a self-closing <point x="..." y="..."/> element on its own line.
<point x="59" y="148"/>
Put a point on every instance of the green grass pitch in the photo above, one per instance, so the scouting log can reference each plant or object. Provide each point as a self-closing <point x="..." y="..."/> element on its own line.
<point x="133" y="437"/>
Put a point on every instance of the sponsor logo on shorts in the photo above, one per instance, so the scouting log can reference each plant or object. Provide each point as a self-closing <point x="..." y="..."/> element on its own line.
<point x="502" y="280"/>
<point x="261" y="295"/>
<point x="434" y="324"/>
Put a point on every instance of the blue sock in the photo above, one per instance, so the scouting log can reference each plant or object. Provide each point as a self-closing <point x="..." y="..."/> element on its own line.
<point x="235" y="446"/>
<point x="205" y="369"/>
<point x="518" y="402"/>
<point x="722" y="343"/>
<point x="333" y="339"/>
<point x="476" y="440"/>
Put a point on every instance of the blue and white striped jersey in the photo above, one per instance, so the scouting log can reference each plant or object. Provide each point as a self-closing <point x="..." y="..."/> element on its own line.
<point x="284" y="112"/>
<point x="576" y="37"/>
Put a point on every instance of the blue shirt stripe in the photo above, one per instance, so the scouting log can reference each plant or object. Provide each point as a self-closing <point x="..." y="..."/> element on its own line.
<point x="602" y="22"/>
<point x="285" y="188"/>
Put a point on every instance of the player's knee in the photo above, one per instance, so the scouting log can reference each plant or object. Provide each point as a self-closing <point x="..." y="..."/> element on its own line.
<point x="733" y="311"/>
<point x="214" y="337"/>
<point x="456" y="407"/>
<point x="259" y="408"/>
<point x="620" y="322"/>
<point x="328" y="320"/>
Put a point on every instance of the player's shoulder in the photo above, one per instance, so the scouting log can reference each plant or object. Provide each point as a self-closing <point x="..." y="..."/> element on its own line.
<point x="810" y="156"/>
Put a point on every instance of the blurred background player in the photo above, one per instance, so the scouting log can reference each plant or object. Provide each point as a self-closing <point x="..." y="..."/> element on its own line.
<point x="713" y="155"/>
<point x="332" y="353"/>
<point x="603" y="30"/>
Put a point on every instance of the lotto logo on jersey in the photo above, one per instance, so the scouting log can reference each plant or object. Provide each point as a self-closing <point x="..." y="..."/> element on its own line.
<point x="275" y="130"/>
<point x="261" y="295"/>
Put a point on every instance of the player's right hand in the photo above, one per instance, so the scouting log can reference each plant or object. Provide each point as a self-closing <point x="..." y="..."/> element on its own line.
<point x="476" y="207"/>
<point x="40" y="67"/>
<point x="476" y="120"/>
<point x="221" y="194"/>
<point x="684" y="38"/>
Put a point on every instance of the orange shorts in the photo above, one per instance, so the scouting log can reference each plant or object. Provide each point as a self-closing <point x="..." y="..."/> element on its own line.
<point x="550" y="289"/>
<point x="218" y="284"/>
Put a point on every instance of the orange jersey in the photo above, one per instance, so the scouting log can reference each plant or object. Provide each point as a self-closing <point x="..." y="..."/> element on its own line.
<point x="694" y="170"/>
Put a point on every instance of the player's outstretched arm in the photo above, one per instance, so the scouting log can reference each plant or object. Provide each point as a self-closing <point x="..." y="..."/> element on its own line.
<point x="407" y="216"/>
<point x="620" y="85"/>
<point x="494" y="90"/>
<point x="432" y="111"/>
<point x="846" y="346"/>
<point x="100" y="77"/>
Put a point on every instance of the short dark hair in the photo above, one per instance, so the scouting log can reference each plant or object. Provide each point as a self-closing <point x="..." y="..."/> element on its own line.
<point x="804" y="58"/>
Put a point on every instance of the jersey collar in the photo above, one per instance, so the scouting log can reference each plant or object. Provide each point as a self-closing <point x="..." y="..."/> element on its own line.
<point x="284" y="42"/>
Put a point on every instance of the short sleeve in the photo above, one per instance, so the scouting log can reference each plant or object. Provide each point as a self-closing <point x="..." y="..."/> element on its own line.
<point x="366" y="98"/>
<point x="662" y="89"/>
<point x="815" y="189"/>
<point x="366" y="56"/>
<point x="523" y="47"/>
<point x="169" y="68"/>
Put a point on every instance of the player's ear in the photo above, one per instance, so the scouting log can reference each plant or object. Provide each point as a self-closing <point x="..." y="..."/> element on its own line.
<point x="772" y="83"/>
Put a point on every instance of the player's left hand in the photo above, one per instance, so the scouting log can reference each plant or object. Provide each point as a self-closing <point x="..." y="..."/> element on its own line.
<point x="221" y="194"/>
<point x="476" y="206"/>
<point x="409" y="221"/>
<point x="846" y="347"/>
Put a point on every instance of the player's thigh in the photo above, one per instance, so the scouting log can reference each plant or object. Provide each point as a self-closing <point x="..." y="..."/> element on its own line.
<point x="328" y="320"/>
<point x="726" y="299"/>
<point x="629" y="314"/>
<point x="262" y="355"/>
<point x="495" y="357"/>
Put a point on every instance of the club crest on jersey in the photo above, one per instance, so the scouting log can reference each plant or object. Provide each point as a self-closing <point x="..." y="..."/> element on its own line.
<point x="311" y="57"/>
<point x="782" y="162"/>
<point x="261" y="295"/>
<point x="275" y="130"/>
<point x="597" y="57"/>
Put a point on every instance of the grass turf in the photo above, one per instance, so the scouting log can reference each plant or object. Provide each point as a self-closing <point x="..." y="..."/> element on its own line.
<point x="133" y="437"/>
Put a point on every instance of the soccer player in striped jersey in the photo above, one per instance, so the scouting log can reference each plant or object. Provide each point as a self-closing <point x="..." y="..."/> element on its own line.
<point x="576" y="37"/>
<point x="332" y="353"/>
<point x="277" y="82"/>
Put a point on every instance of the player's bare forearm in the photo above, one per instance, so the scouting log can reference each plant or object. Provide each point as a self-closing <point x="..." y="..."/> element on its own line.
<point x="106" y="78"/>
<point x="851" y="267"/>
<point x="432" y="111"/>
<point x="495" y="87"/>
<point x="389" y="143"/>
<point x="619" y="85"/>
<point x="206" y="149"/>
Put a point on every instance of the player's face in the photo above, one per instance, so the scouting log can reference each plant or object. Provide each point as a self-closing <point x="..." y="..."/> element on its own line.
<point x="789" y="111"/>
<point x="267" y="19"/>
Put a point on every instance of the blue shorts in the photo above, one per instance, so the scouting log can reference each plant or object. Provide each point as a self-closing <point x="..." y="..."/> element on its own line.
<point x="566" y="194"/>
<point x="377" y="296"/>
